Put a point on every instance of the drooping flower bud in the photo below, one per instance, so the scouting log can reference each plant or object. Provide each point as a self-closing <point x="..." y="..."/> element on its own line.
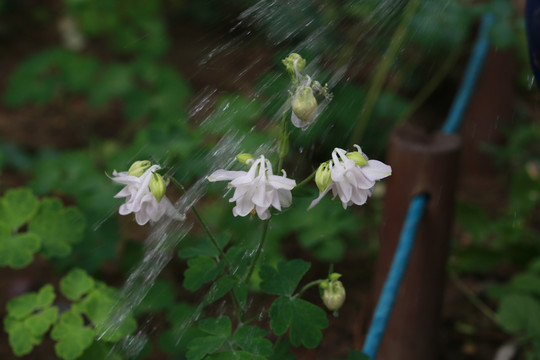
<point x="358" y="158"/>
<point x="139" y="167"/>
<point x="333" y="295"/>
<point x="304" y="106"/>
<point x="323" y="176"/>
<point x="294" y="63"/>
<point x="157" y="186"/>
<point x="245" y="158"/>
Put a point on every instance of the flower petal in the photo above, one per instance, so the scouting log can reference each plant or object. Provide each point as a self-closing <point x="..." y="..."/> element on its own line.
<point x="224" y="175"/>
<point x="376" y="170"/>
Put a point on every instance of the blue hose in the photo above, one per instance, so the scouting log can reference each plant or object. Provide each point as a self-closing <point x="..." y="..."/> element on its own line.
<point x="474" y="66"/>
<point x="419" y="202"/>
<point x="395" y="275"/>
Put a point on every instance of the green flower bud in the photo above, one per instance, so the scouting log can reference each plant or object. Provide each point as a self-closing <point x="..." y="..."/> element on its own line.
<point x="245" y="158"/>
<point x="358" y="158"/>
<point x="334" y="295"/>
<point x="304" y="104"/>
<point x="289" y="64"/>
<point x="157" y="186"/>
<point x="334" y="276"/>
<point x="324" y="284"/>
<point x="323" y="176"/>
<point x="139" y="167"/>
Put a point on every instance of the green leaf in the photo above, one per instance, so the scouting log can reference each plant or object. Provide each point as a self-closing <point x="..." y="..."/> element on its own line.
<point x="251" y="339"/>
<point x="17" y="207"/>
<point x="159" y="297"/>
<point x="21" y="339"/>
<point x="205" y="247"/>
<point x="99" y="350"/>
<point x="76" y="284"/>
<point x="357" y="355"/>
<point x="17" y="251"/>
<point x="201" y="270"/>
<point x="241" y="293"/>
<point x="219" y="331"/>
<point x="219" y="327"/>
<point x="71" y="335"/>
<point x="520" y="313"/>
<point x="526" y="283"/>
<point x="219" y="289"/>
<point x="58" y="227"/>
<point x="281" y="351"/>
<point x="233" y="111"/>
<point x="284" y="279"/>
<point x="97" y="306"/>
<point x="22" y="306"/>
<point x="39" y="323"/>
<point x="235" y="355"/>
<point x="305" y="320"/>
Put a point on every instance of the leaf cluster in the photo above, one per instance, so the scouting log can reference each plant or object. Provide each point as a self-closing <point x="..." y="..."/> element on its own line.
<point x="29" y="225"/>
<point x="75" y="331"/>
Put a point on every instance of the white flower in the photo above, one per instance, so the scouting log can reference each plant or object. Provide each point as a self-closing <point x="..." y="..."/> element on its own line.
<point x="257" y="189"/>
<point x="352" y="177"/>
<point x="140" y="199"/>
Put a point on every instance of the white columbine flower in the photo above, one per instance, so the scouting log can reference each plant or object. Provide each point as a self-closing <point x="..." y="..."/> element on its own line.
<point x="142" y="192"/>
<point x="257" y="189"/>
<point x="352" y="177"/>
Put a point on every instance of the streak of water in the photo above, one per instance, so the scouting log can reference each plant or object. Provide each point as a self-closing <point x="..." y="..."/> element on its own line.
<point x="283" y="22"/>
<point x="159" y="247"/>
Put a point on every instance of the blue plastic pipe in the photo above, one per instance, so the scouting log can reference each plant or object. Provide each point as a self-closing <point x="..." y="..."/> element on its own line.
<point x="395" y="275"/>
<point x="419" y="202"/>
<point x="474" y="66"/>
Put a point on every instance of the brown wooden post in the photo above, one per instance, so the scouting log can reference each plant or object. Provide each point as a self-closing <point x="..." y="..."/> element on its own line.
<point x="421" y="163"/>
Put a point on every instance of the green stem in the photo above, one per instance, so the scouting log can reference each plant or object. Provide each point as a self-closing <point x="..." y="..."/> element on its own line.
<point x="431" y="85"/>
<point x="473" y="299"/>
<point x="307" y="286"/>
<point x="282" y="138"/>
<point x="306" y="180"/>
<point x="382" y="72"/>
<point x="258" y="251"/>
<point x="203" y="223"/>
<point x="255" y="317"/>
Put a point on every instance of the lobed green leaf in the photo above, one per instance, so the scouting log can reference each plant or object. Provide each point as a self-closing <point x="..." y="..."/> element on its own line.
<point x="71" y="335"/>
<point x="519" y="314"/>
<point x="17" y="251"/>
<point x="252" y="339"/>
<point x="76" y="284"/>
<point x="284" y="279"/>
<point x="219" y="331"/>
<point x="304" y="319"/>
<point x="202" y="269"/>
<point x="58" y="227"/>
<point x="22" y="306"/>
<point x="17" y="207"/>
<point x="20" y="338"/>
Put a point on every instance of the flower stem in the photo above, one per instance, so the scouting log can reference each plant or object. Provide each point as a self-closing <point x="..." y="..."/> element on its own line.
<point x="258" y="251"/>
<point x="307" y="286"/>
<point x="282" y="145"/>
<point x="306" y="180"/>
<point x="382" y="72"/>
<point x="203" y="223"/>
<point x="473" y="299"/>
<point x="432" y="84"/>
